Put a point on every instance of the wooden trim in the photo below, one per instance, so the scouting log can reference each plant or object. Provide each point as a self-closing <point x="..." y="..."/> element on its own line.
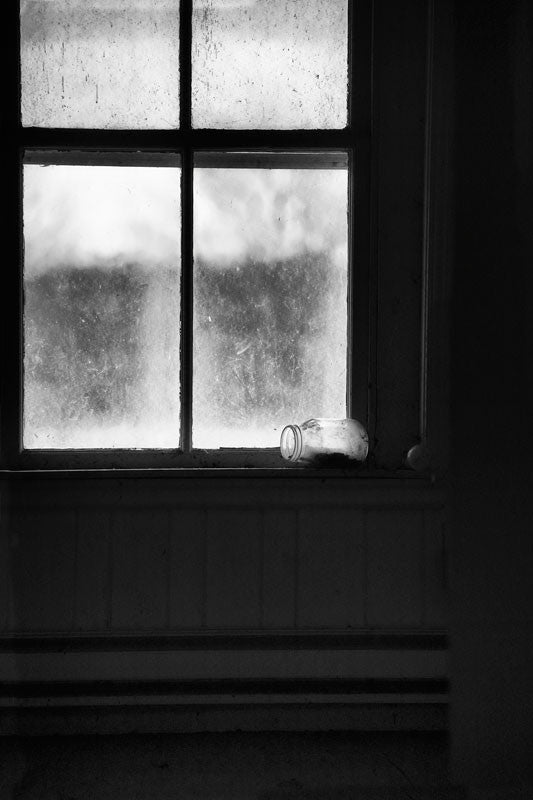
<point x="440" y="243"/>
<point x="178" y="139"/>
<point x="241" y="689"/>
<point x="91" y="157"/>
<point x="227" y="488"/>
<point x="145" y="717"/>
<point x="271" y="159"/>
<point x="259" y="665"/>
<point x="185" y="64"/>
<point x="426" y="232"/>
<point x="360" y="404"/>
<point x="227" y="640"/>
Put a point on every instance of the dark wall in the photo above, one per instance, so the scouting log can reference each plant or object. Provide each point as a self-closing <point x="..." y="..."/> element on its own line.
<point x="492" y="551"/>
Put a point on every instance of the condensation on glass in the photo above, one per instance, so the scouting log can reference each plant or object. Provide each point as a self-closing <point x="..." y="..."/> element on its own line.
<point x="100" y="63"/>
<point x="101" y="307"/>
<point x="270" y="302"/>
<point x="275" y="64"/>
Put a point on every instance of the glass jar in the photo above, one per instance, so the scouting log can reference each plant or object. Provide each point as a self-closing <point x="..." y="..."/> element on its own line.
<point x="325" y="441"/>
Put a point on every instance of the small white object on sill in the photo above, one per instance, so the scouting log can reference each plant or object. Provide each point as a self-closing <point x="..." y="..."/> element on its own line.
<point x="325" y="442"/>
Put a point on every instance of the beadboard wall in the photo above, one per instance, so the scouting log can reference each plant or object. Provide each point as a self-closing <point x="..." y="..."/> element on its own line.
<point x="178" y="587"/>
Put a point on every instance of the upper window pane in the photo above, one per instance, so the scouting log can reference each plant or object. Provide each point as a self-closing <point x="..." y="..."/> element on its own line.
<point x="101" y="306"/>
<point x="100" y="63"/>
<point x="269" y="64"/>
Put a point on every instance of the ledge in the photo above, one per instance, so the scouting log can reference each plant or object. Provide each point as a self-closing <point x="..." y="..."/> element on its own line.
<point x="220" y="488"/>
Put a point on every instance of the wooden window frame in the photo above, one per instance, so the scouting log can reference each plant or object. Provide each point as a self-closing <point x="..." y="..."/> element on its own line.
<point x="366" y="285"/>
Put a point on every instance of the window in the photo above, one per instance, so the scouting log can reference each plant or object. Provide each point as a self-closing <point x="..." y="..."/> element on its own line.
<point x="211" y="243"/>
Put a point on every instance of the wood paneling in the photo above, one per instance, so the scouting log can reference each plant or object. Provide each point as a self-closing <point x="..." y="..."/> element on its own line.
<point x="435" y="571"/>
<point x="43" y="549"/>
<point x="330" y="568"/>
<point x="5" y="577"/>
<point x="394" y="568"/>
<point x="93" y="571"/>
<point x="279" y="568"/>
<point x="400" y="120"/>
<point x="139" y="569"/>
<point x="187" y="545"/>
<point x="90" y="568"/>
<point x="233" y="569"/>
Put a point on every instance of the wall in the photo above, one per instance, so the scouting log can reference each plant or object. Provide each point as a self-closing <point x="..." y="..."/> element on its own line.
<point x="312" y="601"/>
<point x="492" y="545"/>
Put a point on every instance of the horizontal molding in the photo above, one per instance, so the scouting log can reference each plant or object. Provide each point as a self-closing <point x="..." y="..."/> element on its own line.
<point x="44" y="491"/>
<point x="273" y="716"/>
<point x="233" y="689"/>
<point x="93" y="157"/>
<point x="177" y="139"/>
<point x="260" y="665"/>
<point x="226" y="640"/>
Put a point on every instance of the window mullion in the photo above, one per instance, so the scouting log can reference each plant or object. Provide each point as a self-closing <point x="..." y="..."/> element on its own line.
<point x="186" y="226"/>
<point x="186" y="298"/>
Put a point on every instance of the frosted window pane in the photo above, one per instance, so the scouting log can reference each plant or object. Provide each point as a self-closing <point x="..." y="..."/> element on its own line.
<point x="101" y="307"/>
<point x="269" y="64"/>
<point x="270" y="302"/>
<point x="100" y="63"/>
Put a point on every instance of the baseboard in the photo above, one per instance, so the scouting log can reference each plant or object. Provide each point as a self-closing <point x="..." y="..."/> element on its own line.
<point x="276" y="714"/>
<point x="121" y="684"/>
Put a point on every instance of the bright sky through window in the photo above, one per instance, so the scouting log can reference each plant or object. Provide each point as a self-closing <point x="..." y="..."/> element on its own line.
<point x="100" y="63"/>
<point x="269" y="64"/>
<point x="102" y="304"/>
<point x="259" y="337"/>
<point x="101" y="307"/>
<point x="270" y="302"/>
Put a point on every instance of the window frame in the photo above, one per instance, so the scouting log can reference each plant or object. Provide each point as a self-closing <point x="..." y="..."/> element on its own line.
<point x="365" y="283"/>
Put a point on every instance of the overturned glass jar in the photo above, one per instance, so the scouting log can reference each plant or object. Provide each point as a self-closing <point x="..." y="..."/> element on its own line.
<point x="332" y="442"/>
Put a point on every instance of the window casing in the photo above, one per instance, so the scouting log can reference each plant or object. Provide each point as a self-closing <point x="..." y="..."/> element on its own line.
<point x="364" y="243"/>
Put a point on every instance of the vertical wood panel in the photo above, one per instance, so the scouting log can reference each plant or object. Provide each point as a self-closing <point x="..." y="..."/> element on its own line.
<point x="330" y="584"/>
<point x="5" y="578"/>
<point x="394" y="547"/>
<point x="279" y="568"/>
<point x="401" y="40"/>
<point x="187" y="554"/>
<point x="139" y="596"/>
<point x="92" y="570"/>
<point x="233" y="568"/>
<point x="435" y="593"/>
<point x="43" y="546"/>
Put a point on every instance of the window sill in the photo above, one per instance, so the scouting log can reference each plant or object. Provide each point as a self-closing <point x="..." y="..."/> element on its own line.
<point x="291" y="471"/>
<point x="250" y="488"/>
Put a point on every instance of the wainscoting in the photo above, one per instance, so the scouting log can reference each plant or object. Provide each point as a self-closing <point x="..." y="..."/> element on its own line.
<point x="217" y="603"/>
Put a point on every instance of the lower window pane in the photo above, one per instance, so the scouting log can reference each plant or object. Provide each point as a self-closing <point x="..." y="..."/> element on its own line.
<point x="101" y="307"/>
<point x="270" y="302"/>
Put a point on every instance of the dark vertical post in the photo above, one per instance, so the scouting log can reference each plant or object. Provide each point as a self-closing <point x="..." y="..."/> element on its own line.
<point x="11" y="310"/>
<point x="186" y="226"/>
<point x="360" y="210"/>
<point x="491" y="402"/>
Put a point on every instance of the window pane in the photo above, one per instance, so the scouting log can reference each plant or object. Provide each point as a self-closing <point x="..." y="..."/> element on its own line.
<point x="270" y="302"/>
<point x="275" y="64"/>
<point x="101" y="306"/>
<point x="100" y="63"/>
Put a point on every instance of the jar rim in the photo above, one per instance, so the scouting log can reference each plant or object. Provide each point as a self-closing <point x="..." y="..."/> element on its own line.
<point x="291" y="442"/>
